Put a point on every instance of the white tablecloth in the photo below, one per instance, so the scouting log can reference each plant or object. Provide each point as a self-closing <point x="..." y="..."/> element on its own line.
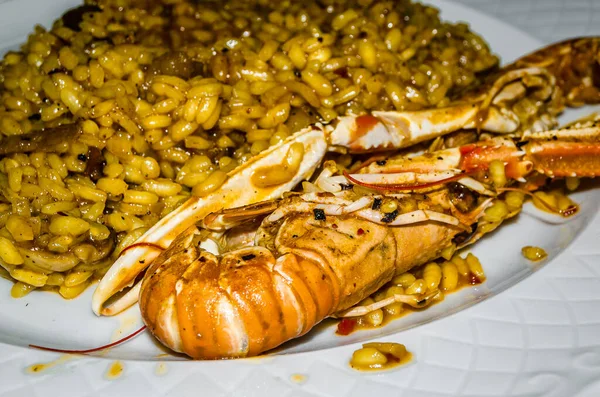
<point x="548" y="20"/>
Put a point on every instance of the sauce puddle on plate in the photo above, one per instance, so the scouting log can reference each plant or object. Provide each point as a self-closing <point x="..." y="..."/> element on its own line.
<point x="298" y="378"/>
<point x="115" y="370"/>
<point x="42" y="367"/>
<point x="161" y="369"/>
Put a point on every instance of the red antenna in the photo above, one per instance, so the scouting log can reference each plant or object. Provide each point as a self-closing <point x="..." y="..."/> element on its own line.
<point x="122" y="340"/>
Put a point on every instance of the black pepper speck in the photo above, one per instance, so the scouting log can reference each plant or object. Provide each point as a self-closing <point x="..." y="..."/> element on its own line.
<point x="319" y="214"/>
<point x="389" y="217"/>
<point x="376" y="204"/>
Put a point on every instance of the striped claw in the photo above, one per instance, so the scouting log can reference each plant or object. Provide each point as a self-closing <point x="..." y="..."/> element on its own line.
<point x="491" y="107"/>
<point x="572" y="151"/>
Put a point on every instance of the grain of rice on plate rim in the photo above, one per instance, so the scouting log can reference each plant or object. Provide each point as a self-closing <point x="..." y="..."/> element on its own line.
<point x="161" y="99"/>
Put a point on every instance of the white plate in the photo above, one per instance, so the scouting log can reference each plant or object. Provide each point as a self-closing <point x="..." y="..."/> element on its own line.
<point x="540" y="337"/>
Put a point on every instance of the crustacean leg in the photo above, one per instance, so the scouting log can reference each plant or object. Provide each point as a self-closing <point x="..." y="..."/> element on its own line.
<point x="571" y="151"/>
<point x="491" y="107"/>
<point x="526" y="95"/>
<point x="575" y="63"/>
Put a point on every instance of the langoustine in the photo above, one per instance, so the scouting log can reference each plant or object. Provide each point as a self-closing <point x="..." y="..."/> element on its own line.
<point x="317" y="254"/>
<point x="495" y="105"/>
<point x="188" y="277"/>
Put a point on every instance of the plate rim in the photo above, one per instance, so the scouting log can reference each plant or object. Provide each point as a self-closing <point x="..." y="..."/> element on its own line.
<point x="31" y="355"/>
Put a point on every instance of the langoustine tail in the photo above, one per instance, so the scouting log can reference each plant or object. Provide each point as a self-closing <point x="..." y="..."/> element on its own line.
<point x="237" y="305"/>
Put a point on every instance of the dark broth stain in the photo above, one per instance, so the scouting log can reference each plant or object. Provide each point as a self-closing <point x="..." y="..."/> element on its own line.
<point x="364" y="124"/>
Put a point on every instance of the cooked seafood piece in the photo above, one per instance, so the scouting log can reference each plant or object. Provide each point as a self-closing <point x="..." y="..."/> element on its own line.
<point x="574" y="63"/>
<point x="119" y="111"/>
<point x="521" y="97"/>
<point x="515" y="102"/>
<point x="317" y="254"/>
<point x="495" y="106"/>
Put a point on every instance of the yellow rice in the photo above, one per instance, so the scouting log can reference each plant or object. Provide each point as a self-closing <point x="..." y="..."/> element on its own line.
<point x="161" y="98"/>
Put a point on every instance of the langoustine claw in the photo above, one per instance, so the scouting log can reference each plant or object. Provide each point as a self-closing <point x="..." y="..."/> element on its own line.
<point x="491" y="107"/>
<point x="521" y="97"/>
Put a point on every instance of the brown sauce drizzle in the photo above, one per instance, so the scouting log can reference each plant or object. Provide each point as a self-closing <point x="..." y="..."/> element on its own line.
<point x="95" y="164"/>
<point x="364" y="124"/>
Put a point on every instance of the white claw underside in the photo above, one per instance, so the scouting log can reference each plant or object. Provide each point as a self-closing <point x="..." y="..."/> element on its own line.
<point x="577" y="133"/>
<point x="583" y="130"/>
<point x="443" y="160"/>
<point x="402" y="129"/>
<point x="396" y="130"/>
<point x="126" y="300"/>
<point x="237" y="191"/>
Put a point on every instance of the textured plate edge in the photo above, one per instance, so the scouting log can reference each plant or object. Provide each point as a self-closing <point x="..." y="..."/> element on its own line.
<point x="565" y="255"/>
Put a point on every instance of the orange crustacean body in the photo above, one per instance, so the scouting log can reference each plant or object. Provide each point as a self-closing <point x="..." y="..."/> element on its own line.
<point x="491" y="105"/>
<point x="256" y="276"/>
<point x="252" y="300"/>
<point x="318" y="254"/>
